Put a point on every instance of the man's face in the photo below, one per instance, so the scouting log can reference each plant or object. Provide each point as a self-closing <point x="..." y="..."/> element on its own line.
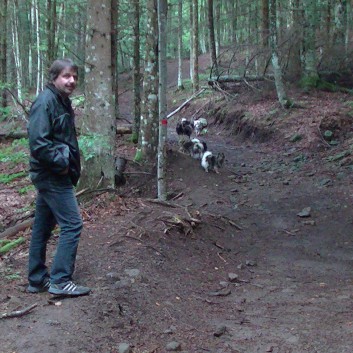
<point x="66" y="82"/>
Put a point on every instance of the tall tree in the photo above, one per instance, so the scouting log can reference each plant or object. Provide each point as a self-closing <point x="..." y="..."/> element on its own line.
<point x="148" y="139"/>
<point x="162" y="95"/>
<point x="3" y="52"/>
<point x="16" y="48"/>
<point x="51" y="31"/>
<point x="310" y="58"/>
<point x="213" y="54"/>
<point x="180" y="44"/>
<point x="281" y="93"/>
<point x="265" y="22"/>
<point x="98" y="130"/>
<point x="137" y="71"/>
<point x="114" y="54"/>
<point x="195" y="42"/>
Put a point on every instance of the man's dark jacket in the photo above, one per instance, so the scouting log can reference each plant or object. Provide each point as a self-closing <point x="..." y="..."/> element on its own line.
<point x="52" y="139"/>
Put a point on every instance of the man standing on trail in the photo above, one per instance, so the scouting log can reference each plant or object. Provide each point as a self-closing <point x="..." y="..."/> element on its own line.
<point x="54" y="171"/>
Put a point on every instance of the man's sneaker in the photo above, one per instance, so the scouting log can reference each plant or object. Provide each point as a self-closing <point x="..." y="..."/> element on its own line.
<point x="39" y="288"/>
<point x="69" y="289"/>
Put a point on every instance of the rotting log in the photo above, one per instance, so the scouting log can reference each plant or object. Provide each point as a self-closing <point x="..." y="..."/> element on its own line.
<point x="124" y="130"/>
<point x="12" y="135"/>
<point x="9" y="232"/>
<point x="235" y="78"/>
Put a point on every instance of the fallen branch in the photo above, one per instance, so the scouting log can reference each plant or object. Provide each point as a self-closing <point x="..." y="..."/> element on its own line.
<point x="10" y="232"/>
<point x="185" y="103"/>
<point x="18" y="313"/>
<point x="13" y="135"/>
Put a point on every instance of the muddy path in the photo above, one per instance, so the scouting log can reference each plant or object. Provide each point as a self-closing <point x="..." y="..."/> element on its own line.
<point x="252" y="276"/>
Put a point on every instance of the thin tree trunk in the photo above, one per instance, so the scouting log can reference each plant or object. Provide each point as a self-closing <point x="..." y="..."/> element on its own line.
<point x="162" y="94"/>
<point x="265" y="23"/>
<point x="195" y="35"/>
<point x="149" y="116"/>
<point x="16" y="50"/>
<point x="39" y="84"/>
<point x="180" y="44"/>
<point x="191" y="19"/>
<point x="3" y="51"/>
<point x="137" y="72"/>
<point x="51" y="31"/>
<point x="114" y="53"/>
<point x="213" y="55"/>
<point x="218" y="26"/>
<point x="281" y="93"/>
<point x="310" y="68"/>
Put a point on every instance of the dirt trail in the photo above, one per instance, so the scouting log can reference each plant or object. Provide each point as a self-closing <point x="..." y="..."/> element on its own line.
<point x="250" y="276"/>
<point x="151" y="288"/>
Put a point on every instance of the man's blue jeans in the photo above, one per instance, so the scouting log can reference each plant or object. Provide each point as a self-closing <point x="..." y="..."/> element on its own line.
<point x="56" y="204"/>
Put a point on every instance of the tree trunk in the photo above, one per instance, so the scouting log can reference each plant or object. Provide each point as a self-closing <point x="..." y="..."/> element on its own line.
<point x="114" y="53"/>
<point x="213" y="54"/>
<point x="281" y="93"/>
<point x="180" y="44"/>
<point x="265" y="23"/>
<point x="98" y="130"/>
<point x="195" y="51"/>
<point x="39" y="84"/>
<point x="149" y="117"/>
<point x="162" y="94"/>
<point x="16" y="49"/>
<point x="3" y="52"/>
<point x="51" y="30"/>
<point x="310" y="62"/>
<point x="191" y="19"/>
<point x="137" y="72"/>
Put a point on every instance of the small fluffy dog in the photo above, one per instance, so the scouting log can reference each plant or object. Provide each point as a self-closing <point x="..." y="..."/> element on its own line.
<point x="184" y="127"/>
<point x="211" y="162"/>
<point x="198" y="149"/>
<point x="199" y="125"/>
<point x="195" y="148"/>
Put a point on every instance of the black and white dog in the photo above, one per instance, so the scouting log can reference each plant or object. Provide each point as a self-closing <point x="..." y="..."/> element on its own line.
<point x="211" y="162"/>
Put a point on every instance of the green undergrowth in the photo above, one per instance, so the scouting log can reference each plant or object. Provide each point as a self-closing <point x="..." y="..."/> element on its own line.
<point x="16" y="153"/>
<point x="8" y="178"/>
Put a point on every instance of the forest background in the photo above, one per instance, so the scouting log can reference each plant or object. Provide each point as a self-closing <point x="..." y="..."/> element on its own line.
<point x="256" y="258"/>
<point x="307" y="42"/>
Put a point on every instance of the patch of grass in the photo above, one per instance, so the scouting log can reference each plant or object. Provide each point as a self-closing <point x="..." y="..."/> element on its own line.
<point x="9" y="274"/>
<point x="16" y="153"/>
<point x="26" y="189"/>
<point x="8" y="178"/>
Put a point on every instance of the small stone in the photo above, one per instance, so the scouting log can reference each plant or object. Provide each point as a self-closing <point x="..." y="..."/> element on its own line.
<point x="305" y="212"/>
<point x="240" y="267"/>
<point x="221" y="293"/>
<point x="170" y="330"/>
<point x="223" y="284"/>
<point x="133" y="272"/>
<point x="233" y="277"/>
<point x="309" y="223"/>
<point x="220" y="330"/>
<point x="173" y="346"/>
<point x="250" y="263"/>
<point x="124" y="348"/>
<point x="113" y="276"/>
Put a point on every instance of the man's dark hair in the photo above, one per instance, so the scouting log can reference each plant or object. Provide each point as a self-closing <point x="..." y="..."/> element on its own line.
<point x="58" y="66"/>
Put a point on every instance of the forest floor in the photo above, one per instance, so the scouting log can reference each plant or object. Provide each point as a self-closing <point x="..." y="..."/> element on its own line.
<point x="258" y="258"/>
